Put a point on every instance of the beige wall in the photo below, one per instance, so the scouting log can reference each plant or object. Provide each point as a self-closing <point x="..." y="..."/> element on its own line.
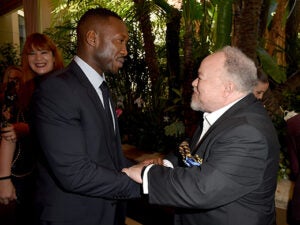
<point x="9" y="26"/>
<point x="45" y="14"/>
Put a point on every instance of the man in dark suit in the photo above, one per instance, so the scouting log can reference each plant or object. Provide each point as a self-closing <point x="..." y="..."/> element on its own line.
<point x="80" y="180"/>
<point x="227" y="176"/>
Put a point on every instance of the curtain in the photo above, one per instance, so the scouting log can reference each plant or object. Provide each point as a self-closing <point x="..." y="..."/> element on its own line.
<point x="31" y="16"/>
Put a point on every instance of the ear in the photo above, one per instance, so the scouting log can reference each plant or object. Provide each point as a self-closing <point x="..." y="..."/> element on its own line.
<point x="229" y="88"/>
<point x="91" y="38"/>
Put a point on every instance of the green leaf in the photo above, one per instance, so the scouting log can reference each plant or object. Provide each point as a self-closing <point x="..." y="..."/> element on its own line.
<point x="270" y="66"/>
<point x="224" y="21"/>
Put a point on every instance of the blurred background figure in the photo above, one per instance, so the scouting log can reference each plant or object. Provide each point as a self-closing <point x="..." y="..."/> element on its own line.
<point x="40" y="56"/>
<point x="12" y="80"/>
<point x="262" y="84"/>
<point x="293" y="145"/>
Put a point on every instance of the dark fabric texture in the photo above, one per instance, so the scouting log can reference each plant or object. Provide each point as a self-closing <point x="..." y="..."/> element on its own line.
<point x="293" y="147"/>
<point x="106" y="100"/>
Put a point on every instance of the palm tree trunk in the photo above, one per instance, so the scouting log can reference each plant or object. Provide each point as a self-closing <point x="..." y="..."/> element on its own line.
<point x="173" y="16"/>
<point x="189" y="114"/>
<point x="292" y="29"/>
<point x="246" y="21"/>
<point x="172" y="44"/>
<point x="143" y="15"/>
<point x="246" y="30"/>
<point x="276" y="36"/>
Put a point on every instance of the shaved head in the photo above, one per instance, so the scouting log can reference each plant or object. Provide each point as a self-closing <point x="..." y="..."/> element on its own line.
<point x="102" y="37"/>
<point x="91" y="19"/>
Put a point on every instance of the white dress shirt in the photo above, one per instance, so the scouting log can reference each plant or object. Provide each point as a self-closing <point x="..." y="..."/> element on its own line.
<point x="95" y="78"/>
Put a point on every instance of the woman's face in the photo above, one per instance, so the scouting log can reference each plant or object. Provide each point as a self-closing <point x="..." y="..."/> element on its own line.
<point x="260" y="89"/>
<point x="41" y="61"/>
<point x="15" y="76"/>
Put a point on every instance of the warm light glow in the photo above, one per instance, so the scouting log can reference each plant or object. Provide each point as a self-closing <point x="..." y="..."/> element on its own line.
<point x="176" y="3"/>
<point x="21" y="12"/>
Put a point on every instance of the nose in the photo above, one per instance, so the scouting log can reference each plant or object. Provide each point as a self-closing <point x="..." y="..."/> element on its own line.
<point x="124" y="51"/>
<point x="38" y="55"/>
<point x="195" y="82"/>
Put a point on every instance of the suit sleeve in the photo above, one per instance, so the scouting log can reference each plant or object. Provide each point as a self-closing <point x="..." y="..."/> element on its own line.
<point x="58" y="123"/>
<point x="234" y="167"/>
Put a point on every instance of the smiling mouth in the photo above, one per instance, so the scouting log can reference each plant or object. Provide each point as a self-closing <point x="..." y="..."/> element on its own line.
<point x="40" y="65"/>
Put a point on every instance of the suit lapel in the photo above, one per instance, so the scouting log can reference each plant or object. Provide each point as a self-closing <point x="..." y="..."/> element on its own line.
<point x="196" y="136"/>
<point x="92" y="94"/>
<point x="221" y="122"/>
<point x="83" y="80"/>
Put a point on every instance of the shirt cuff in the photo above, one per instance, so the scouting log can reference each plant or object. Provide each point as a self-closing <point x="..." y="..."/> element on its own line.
<point x="166" y="163"/>
<point x="145" y="179"/>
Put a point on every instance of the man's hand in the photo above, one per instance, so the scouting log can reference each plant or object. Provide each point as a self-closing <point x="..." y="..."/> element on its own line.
<point x="134" y="172"/>
<point x="156" y="161"/>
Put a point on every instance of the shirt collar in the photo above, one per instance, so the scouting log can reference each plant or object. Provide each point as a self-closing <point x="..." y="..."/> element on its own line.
<point x="95" y="78"/>
<point x="212" y="117"/>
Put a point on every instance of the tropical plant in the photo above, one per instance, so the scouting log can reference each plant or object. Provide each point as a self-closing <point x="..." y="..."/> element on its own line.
<point x="9" y="55"/>
<point x="166" y="46"/>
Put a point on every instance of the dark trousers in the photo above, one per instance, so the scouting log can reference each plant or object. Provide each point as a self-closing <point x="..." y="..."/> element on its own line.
<point x="294" y="205"/>
<point x="25" y="188"/>
<point x="54" y="223"/>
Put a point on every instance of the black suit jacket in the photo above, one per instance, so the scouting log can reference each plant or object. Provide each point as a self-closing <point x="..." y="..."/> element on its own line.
<point x="236" y="183"/>
<point x="79" y="178"/>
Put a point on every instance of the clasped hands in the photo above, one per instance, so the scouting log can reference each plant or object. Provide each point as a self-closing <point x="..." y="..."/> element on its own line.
<point x="8" y="133"/>
<point x="14" y="131"/>
<point x="135" y="172"/>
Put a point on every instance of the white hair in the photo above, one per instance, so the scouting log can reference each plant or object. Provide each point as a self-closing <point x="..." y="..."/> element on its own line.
<point x="241" y="69"/>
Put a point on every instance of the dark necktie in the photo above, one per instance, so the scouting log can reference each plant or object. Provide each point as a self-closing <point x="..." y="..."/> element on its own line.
<point x="106" y="99"/>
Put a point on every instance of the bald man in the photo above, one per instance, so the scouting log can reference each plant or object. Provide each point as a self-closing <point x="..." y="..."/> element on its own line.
<point x="227" y="174"/>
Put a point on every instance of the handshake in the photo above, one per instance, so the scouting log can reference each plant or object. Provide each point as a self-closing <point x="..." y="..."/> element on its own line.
<point x="135" y="172"/>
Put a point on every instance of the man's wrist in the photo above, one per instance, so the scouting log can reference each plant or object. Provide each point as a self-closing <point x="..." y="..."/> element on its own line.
<point x="125" y="171"/>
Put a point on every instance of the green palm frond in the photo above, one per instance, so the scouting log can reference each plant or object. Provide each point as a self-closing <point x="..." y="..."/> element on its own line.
<point x="270" y="66"/>
<point x="223" y="24"/>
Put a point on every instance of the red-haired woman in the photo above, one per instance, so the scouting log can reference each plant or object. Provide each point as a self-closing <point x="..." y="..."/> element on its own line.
<point x="40" y="56"/>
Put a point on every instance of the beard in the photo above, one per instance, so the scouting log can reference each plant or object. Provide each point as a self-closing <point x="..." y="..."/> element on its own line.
<point x="195" y="103"/>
